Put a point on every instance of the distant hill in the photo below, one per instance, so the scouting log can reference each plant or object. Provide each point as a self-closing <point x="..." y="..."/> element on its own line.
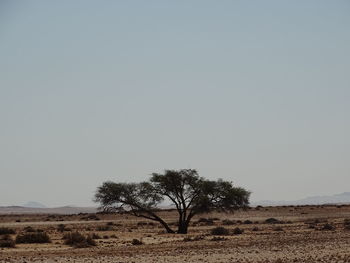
<point x="343" y="198"/>
<point x="34" y="204"/>
<point x="66" y="210"/>
<point x="38" y="208"/>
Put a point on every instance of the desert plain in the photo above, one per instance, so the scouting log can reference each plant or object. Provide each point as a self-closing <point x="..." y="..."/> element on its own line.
<point x="260" y="234"/>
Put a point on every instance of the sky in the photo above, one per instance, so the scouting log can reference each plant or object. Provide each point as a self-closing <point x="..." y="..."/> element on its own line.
<point x="254" y="92"/>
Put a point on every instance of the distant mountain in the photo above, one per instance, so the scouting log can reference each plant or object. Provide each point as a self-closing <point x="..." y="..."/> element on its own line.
<point x="343" y="198"/>
<point x="66" y="210"/>
<point x="33" y="204"/>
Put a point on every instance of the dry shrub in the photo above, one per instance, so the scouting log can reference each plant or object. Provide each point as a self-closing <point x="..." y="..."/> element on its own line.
<point x="33" y="238"/>
<point x="103" y="228"/>
<point x="218" y="239"/>
<point x="90" y="241"/>
<point x="29" y="229"/>
<point x="7" y="231"/>
<point x="328" y="227"/>
<point x="78" y="240"/>
<point x="347" y="224"/>
<point x="136" y="242"/>
<point x="95" y="236"/>
<point x="196" y="238"/>
<point x="220" y="231"/>
<point x="73" y="238"/>
<point x="312" y="226"/>
<point x="206" y="221"/>
<point x="90" y="217"/>
<point x="62" y="228"/>
<point x="258" y="207"/>
<point x="7" y="241"/>
<point x="228" y="222"/>
<point x="273" y="221"/>
<point x="278" y="228"/>
<point x="237" y="231"/>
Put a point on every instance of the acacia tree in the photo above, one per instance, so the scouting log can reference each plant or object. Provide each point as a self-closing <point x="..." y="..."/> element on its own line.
<point x="185" y="189"/>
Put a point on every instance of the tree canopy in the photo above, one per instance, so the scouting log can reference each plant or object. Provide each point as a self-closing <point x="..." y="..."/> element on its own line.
<point x="185" y="189"/>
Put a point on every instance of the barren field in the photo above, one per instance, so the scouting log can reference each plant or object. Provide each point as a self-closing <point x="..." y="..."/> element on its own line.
<point x="293" y="234"/>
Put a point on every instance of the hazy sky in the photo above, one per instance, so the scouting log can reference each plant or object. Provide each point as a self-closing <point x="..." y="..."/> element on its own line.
<point x="257" y="92"/>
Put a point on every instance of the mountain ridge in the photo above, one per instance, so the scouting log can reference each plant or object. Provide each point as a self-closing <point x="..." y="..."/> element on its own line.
<point x="34" y="204"/>
<point x="64" y="210"/>
<point x="342" y="198"/>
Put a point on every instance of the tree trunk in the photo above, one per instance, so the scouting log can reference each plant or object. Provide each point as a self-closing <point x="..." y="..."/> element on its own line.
<point x="182" y="228"/>
<point x="168" y="229"/>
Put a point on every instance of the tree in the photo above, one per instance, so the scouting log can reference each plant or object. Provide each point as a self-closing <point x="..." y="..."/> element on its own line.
<point x="189" y="193"/>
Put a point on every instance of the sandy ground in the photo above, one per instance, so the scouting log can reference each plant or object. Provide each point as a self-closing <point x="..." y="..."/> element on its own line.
<point x="299" y="238"/>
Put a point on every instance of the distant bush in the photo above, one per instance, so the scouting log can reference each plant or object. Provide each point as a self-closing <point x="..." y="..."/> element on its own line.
<point x="7" y="231"/>
<point x="90" y="217"/>
<point x="218" y="239"/>
<point x="73" y="238"/>
<point x="78" y="240"/>
<point x="93" y="217"/>
<point x="228" y="222"/>
<point x="196" y="238"/>
<point x="278" y="228"/>
<point x="90" y="241"/>
<point x="315" y="221"/>
<point x="258" y="207"/>
<point x="33" y="238"/>
<point x="311" y="226"/>
<point x="347" y="224"/>
<point x="255" y="229"/>
<point x="237" y="231"/>
<point x="136" y="242"/>
<point x="95" y="236"/>
<point x="273" y="221"/>
<point x="103" y="228"/>
<point x="247" y="222"/>
<point x="220" y="231"/>
<point x="29" y="229"/>
<point x="62" y="228"/>
<point x="328" y="227"/>
<point x="7" y="241"/>
<point x="206" y="221"/>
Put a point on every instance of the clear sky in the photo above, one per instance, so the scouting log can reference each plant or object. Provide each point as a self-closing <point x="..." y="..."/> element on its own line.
<point x="256" y="92"/>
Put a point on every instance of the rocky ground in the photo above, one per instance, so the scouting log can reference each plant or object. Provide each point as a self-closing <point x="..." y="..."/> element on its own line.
<point x="295" y="234"/>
